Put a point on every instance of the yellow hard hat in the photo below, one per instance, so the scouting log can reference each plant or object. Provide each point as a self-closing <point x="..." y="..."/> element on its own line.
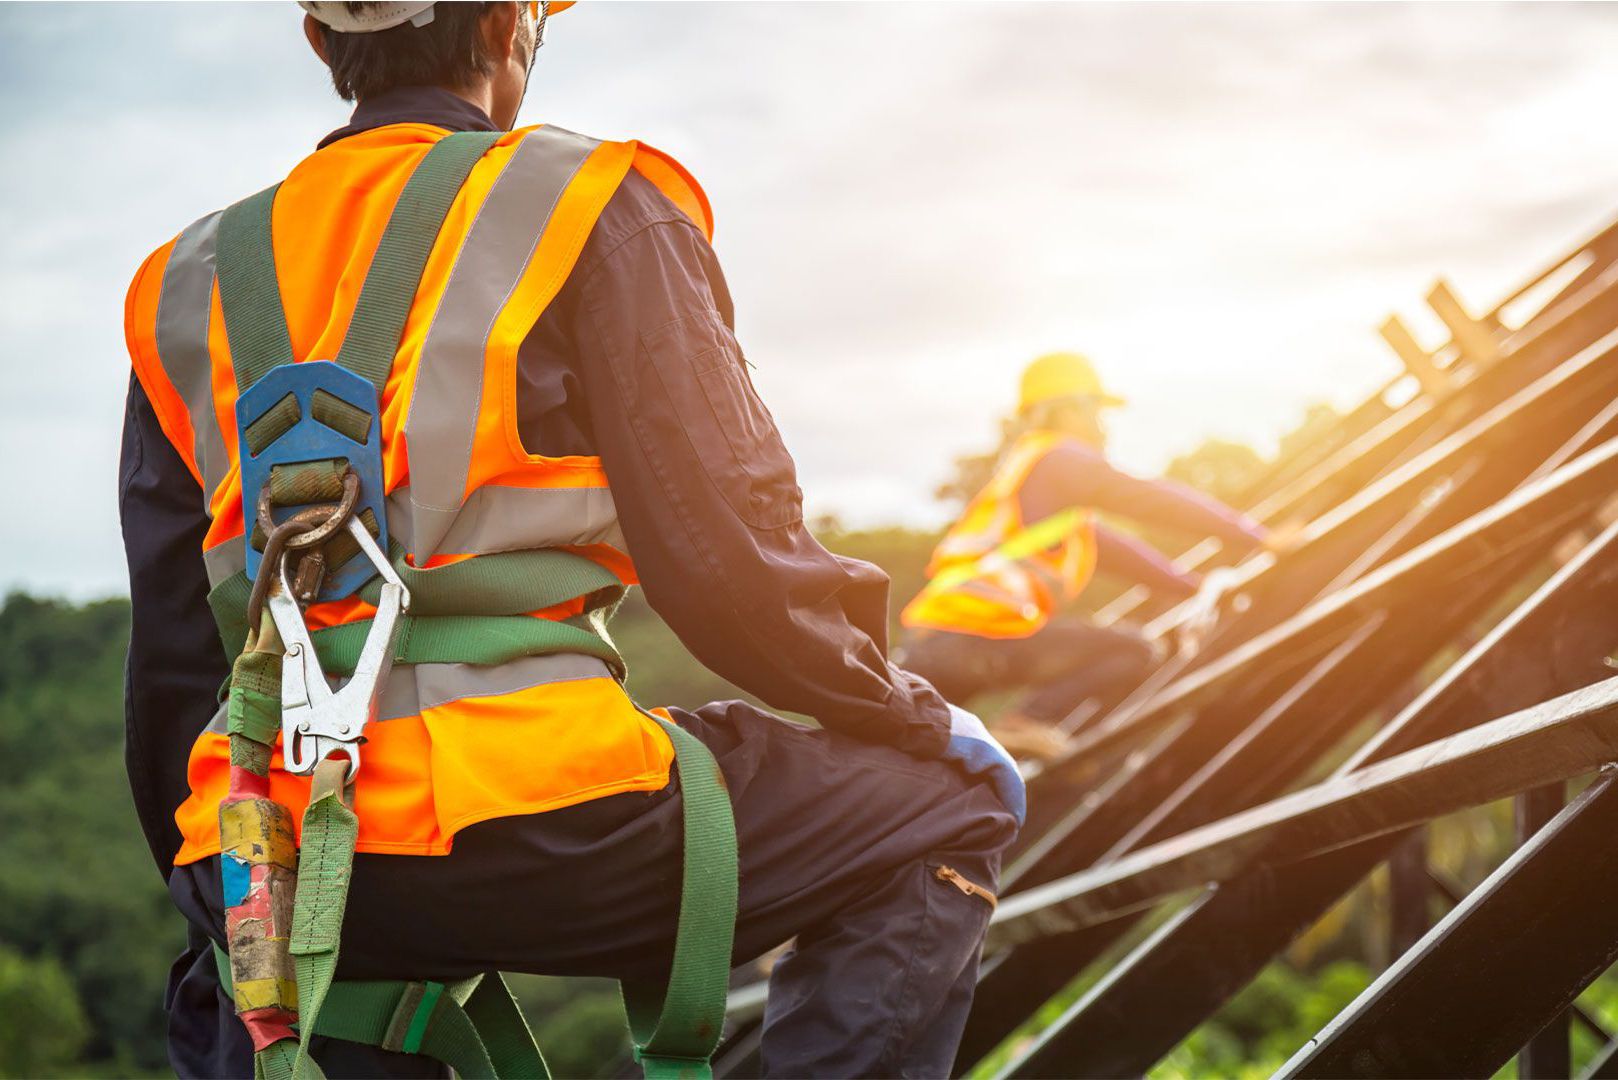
<point x="1061" y="375"/>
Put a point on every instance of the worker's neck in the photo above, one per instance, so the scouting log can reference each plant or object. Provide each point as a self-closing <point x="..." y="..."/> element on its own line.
<point x="480" y="94"/>
<point x="1089" y="434"/>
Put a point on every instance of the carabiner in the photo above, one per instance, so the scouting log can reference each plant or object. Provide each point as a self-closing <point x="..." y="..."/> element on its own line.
<point x="317" y="722"/>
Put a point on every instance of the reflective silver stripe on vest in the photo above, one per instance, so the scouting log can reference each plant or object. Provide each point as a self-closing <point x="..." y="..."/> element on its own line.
<point x="184" y="308"/>
<point x="414" y="687"/>
<point x="224" y="560"/>
<point x="513" y="519"/>
<point x="442" y="422"/>
<point x="436" y="685"/>
<point x="493" y="519"/>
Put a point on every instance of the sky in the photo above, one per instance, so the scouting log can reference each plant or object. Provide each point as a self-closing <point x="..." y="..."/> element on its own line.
<point x="1217" y="203"/>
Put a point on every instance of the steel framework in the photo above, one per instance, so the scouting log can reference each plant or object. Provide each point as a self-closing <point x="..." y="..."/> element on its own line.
<point x="1438" y="641"/>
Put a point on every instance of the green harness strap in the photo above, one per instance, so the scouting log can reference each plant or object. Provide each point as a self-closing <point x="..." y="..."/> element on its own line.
<point x="248" y="290"/>
<point x="474" y="1026"/>
<point x="470" y="612"/>
<point x="250" y="293"/>
<point x="676" y="1028"/>
<point x="401" y="255"/>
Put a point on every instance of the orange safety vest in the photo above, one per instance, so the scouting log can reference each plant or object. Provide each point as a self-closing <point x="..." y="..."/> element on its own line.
<point x="996" y="576"/>
<point x="454" y="744"/>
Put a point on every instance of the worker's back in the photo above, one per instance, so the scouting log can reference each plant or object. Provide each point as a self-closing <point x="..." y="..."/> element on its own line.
<point x="521" y="294"/>
<point x="461" y="490"/>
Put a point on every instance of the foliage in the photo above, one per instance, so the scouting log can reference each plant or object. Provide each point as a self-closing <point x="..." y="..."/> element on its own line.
<point x="1225" y="470"/>
<point x="43" y="1028"/>
<point x="79" y="895"/>
<point x="579" y="1023"/>
<point x="971" y="471"/>
<point x="1318" y="426"/>
<point x="1260" y="1028"/>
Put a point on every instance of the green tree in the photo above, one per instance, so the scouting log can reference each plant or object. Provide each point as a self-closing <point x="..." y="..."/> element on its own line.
<point x="1226" y="470"/>
<point x="42" y="1024"/>
<point x="1316" y="429"/>
<point x="78" y="883"/>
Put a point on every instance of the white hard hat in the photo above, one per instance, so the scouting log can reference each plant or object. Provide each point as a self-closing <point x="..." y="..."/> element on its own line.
<point x="369" y="17"/>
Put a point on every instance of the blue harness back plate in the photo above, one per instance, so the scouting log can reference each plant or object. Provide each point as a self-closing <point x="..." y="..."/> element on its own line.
<point x="311" y="440"/>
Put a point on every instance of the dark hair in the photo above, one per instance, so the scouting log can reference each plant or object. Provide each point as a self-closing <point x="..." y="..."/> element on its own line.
<point x="448" y="52"/>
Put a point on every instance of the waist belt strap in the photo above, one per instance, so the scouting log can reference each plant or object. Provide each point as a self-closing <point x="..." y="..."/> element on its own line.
<point x="467" y="612"/>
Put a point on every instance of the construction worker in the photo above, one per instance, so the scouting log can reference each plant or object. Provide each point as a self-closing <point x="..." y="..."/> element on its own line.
<point x="550" y="316"/>
<point x="990" y="616"/>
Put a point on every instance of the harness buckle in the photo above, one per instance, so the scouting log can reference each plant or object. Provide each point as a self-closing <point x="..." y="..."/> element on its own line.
<point x="316" y="721"/>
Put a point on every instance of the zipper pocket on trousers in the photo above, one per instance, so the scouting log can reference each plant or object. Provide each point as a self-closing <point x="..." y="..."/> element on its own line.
<point x="952" y="877"/>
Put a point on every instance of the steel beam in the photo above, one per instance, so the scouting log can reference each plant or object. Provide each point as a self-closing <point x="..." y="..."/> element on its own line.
<point x="1523" y="641"/>
<point x="1556" y="740"/>
<point x="1048" y="968"/>
<point x="1548" y="1055"/>
<point x="1409" y="890"/>
<point x="1452" y="894"/>
<point x="1106" y="1033"/>
<point x="1516" y="953"/>
<point x="1579" y="315"/>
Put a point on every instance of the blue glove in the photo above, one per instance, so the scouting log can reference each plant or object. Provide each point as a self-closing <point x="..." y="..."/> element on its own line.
<point x="982" y="758"/>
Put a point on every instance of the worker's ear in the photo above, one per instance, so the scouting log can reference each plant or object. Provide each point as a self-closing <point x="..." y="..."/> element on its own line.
<point x="317" y="38"/>
<point x="499" y="26"/>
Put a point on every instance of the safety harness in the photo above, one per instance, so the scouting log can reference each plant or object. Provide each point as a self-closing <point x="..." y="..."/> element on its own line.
<point x="311" y="464"/>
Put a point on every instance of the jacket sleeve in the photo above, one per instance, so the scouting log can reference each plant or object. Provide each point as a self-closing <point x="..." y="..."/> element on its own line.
<point x="708" y="499"/>
<point x="1123" y="556"/>
<point x="1074" y="475"/>
<point x="176" y="663"/>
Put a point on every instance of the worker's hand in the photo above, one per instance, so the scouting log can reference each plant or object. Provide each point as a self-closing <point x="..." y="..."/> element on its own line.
<point x="1286" y="537"/>
<point x="981" y="757"/>
<point x="1202" y="611"/>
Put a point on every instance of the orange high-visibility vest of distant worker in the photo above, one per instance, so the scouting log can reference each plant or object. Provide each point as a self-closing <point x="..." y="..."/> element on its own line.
<point x="990" y="615"/>
<point x="995" y="574"/>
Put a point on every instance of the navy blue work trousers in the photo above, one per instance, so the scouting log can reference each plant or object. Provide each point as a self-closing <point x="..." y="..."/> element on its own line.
<point x="1067" y="661"/>
<point x="840" y="843"/>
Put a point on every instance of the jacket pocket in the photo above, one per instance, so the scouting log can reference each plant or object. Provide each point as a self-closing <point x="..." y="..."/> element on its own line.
<point x="733" y="433"/>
